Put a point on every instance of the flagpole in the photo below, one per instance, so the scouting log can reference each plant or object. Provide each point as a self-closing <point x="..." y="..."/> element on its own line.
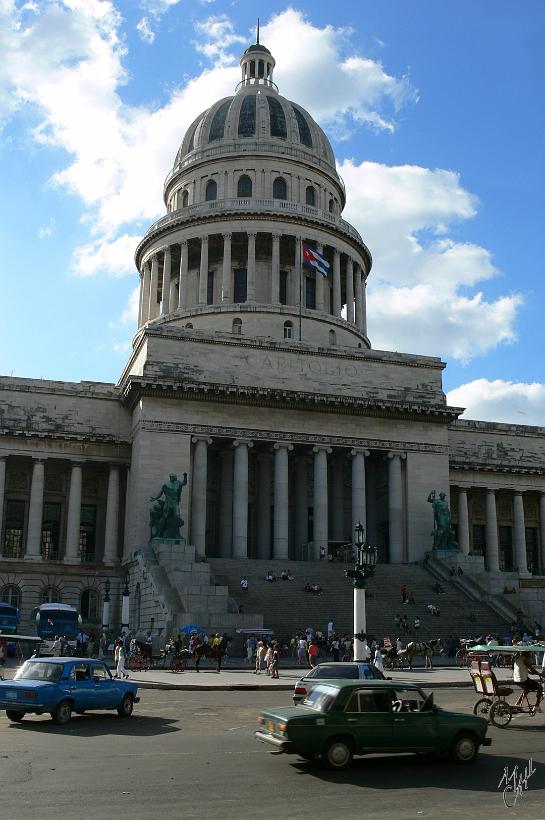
<point x="300" y="288"/>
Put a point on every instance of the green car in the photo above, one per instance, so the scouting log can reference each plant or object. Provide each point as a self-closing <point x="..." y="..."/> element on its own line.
<point x="343" y="718"/>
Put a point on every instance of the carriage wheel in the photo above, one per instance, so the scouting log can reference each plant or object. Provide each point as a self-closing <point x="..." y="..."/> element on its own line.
<point x="177" y="664"/>
<point x="500" y="714"/>
<point x="462" y="657"/>
<point x="482" y="707"/>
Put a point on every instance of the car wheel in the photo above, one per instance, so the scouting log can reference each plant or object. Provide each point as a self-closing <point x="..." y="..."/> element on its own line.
<point x="337" y="754"/>
<point x="62" y="713"/>
<point x="482" y="707"/>
<point x="126" y="706"/>
<point x="14" y="716"/>
<point x="500" y="714"/>
<point x="464" y="749"/>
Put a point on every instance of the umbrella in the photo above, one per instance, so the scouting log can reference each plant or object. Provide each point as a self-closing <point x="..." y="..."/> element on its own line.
<point x="188" y="628"/>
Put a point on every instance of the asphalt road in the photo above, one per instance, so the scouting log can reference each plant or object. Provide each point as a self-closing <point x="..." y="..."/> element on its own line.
<point x="193" y="755"/>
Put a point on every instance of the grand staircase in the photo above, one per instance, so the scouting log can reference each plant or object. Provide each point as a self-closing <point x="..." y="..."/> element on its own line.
<point x="287" y="608"/>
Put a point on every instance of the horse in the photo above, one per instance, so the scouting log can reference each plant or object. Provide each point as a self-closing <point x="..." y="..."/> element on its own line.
<point x="425" y="648"/>
<point x="391" y="658"/>
<point x="217" y="652"/>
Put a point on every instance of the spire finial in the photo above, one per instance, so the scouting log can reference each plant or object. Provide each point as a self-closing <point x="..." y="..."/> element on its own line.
<point x="257" y="31"/>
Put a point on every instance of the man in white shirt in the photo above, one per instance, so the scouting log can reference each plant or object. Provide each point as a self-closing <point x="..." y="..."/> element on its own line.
<point x="521" y="669"/>
<point x="330" y="629"/>
<point x="56" y="648"/>
<point x="378" y="661"/>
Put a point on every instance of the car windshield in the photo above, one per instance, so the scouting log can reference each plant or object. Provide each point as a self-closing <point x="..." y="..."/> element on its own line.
<point x="32" y="670"/>
<point x="321" y="698"/>
<point x="329" y="671"/>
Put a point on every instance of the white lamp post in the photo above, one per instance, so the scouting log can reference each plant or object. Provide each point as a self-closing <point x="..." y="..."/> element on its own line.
<point x="125" y="604"/>
<point x="364" y="568"/>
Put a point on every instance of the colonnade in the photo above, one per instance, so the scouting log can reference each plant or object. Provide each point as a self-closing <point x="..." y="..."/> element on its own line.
<point x="273" y="470"/>
<point x="492" y="549"/>
<point x="33" y="541"/>
<point x="168" y="293"/>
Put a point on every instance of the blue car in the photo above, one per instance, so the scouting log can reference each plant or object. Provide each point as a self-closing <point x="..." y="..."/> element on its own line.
<point x="61" y="686"/>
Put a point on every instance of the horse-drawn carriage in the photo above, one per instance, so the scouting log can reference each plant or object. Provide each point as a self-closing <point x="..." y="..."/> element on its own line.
<point x="426" y="649"/>
<point x="140" y="656"/>
<point x="492" y="703"/>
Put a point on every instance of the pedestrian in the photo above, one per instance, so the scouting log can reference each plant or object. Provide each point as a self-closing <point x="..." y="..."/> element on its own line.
<point x="313" y="652"/>
<point x="56" y="649"/>
<point x="250" y="646"/>
<point x="335" y="648"/>
<point x="121" y="657"/>
<point x="322" y="553"/>
<point x="268" y="659"/>
<point x="302" y="651"/>
<point x="378" y="661"/>
<point x="416" y="623"/>
<point x="244" y="584"/>
<point x="404" y="594"/>
<point x="275" y="662"/>
<point x="330" y="629"/>
<point x="259" y="657"/>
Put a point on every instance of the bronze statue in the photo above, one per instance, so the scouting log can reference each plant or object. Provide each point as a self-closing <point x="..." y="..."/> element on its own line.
<point x="443" y="534"/>
<point x="164" y="517"/>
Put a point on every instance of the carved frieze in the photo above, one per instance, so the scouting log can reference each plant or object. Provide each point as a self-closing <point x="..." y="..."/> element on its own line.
<point x="54" y="482"/>
<point x="18" y="479"/>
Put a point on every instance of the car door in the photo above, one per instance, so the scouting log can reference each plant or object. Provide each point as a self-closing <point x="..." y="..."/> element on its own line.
<point x="415" y="725"/>
<point x="81" y="686"/>
<point x="368" y="717"/>
<point x="104" y="687"/>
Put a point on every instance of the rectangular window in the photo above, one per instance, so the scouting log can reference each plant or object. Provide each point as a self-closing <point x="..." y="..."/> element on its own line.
<point x="310" y="292"/>
<point x="532" y="553"/>
<point x="51" y="528"/>
<point x="15" y="524"/>
<point x="479" y="539"/>
<point x="283" y="287"/>
<point x="240" y="285"/>
<point x="87" y="533"/>
<point x="210" y="288"/>
<point x="506" y="548"/>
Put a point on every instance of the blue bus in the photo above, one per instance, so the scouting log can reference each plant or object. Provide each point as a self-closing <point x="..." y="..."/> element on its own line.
<point x="10" y="618"/>
<point x="57" y="619"/>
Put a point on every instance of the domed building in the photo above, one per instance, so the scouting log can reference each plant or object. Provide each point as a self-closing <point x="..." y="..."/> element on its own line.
<point x="252" y="372"/>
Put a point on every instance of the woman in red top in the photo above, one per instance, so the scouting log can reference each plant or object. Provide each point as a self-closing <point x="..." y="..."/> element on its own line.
<point x="313" y="652"/>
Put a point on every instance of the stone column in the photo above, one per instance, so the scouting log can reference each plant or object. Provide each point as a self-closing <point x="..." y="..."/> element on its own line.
<point x="153" y="310"/>
<point x="203" y="272"/>
<point x="364" y="307"/>
<point x="250" y="269"/>
<point x="492" y="548"/>
<point x="321" y="531"/>
<point x="542" y="529"/>
<point x="141" y="299"/>
<point x="240" y="499"/>
<point x="519" y="533"/>
<point x="2" y="491"/>
<point x="281" y="499"/>
<point x="226" y="504"/>
<point x="226" y="269"/>
<point x="35" y="512"/>
<point x="349" y="291"/>
<point x="127" y="519"/>
<point x="320" y="282"/>
<point x="167" y="260"/>
<point x="301" y="502"/>
<point x="359" y="505"/>
<point x="112" y="517"/>
<point x="182" y="285"/>
<point x="358" y="293"/>
<point x="173" y="295"/>
<point x="275" y="269"/>
<point x="198" y="492"/>
<point x="298" y="274"/>
<point x="72" y="553"/>
<point x="336" y="282"/>
<point x="145" y="292"/>
<point x="395" y="508"/>
<point x="337" y="500"/>
<point x="264" y="507"/>
<point x="463" y="521"/>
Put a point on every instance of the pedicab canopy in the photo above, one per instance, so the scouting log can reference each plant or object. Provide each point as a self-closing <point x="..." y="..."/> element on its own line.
<point x="514" y="649"/>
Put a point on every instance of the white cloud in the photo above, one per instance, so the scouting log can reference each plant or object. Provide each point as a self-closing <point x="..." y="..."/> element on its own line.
<point x="421" y="291"/>
<point x="45" y="231"/>
<point x="145" y="31"/>
<point x="501" y="401"/>
<point x="218" y="36"/>
<point x="107" y="255"/>
<point x="130" y="313"/>
<point x="158" y="7"/>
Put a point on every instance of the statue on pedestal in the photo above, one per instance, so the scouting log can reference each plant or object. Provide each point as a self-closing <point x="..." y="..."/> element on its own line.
<point x="164" y="516"/>
<point x="443" y="534"/>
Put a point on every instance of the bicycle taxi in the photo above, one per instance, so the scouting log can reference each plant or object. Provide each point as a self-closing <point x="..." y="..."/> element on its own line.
<point x="492" y="703"/>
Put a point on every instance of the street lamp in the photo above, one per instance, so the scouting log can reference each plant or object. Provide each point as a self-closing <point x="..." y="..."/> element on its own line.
<point x="125" y="603"/>
<point x="106" y="607"/>
<point x="366" y="560"/>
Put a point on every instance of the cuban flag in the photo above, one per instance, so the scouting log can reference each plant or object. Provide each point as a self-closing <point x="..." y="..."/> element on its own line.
<point x="313" y="259"/>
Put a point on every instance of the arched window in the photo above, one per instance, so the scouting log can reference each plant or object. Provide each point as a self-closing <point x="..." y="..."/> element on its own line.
<point x="331" y="206"/>
<point x="244" y="186"/>
<point x="11" y="594"/>
<point x="211" y="190"/>
<point x="288" y="330"/>
<point x="189" y="326"/>
<point x="89" y="605"/>
<point x="332" y="337"/>
<point x="311" y="196"/>
<point x="51" y="595"/>
<point x="185" y="199"/>
<point x="280" y="189"/>
<point x="237" y="326"/>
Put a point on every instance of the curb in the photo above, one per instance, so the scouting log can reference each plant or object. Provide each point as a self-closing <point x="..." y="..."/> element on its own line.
<point x="281" y="687"/>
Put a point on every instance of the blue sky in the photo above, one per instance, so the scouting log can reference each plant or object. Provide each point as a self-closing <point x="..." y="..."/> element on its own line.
<point x="436" y="115"/>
